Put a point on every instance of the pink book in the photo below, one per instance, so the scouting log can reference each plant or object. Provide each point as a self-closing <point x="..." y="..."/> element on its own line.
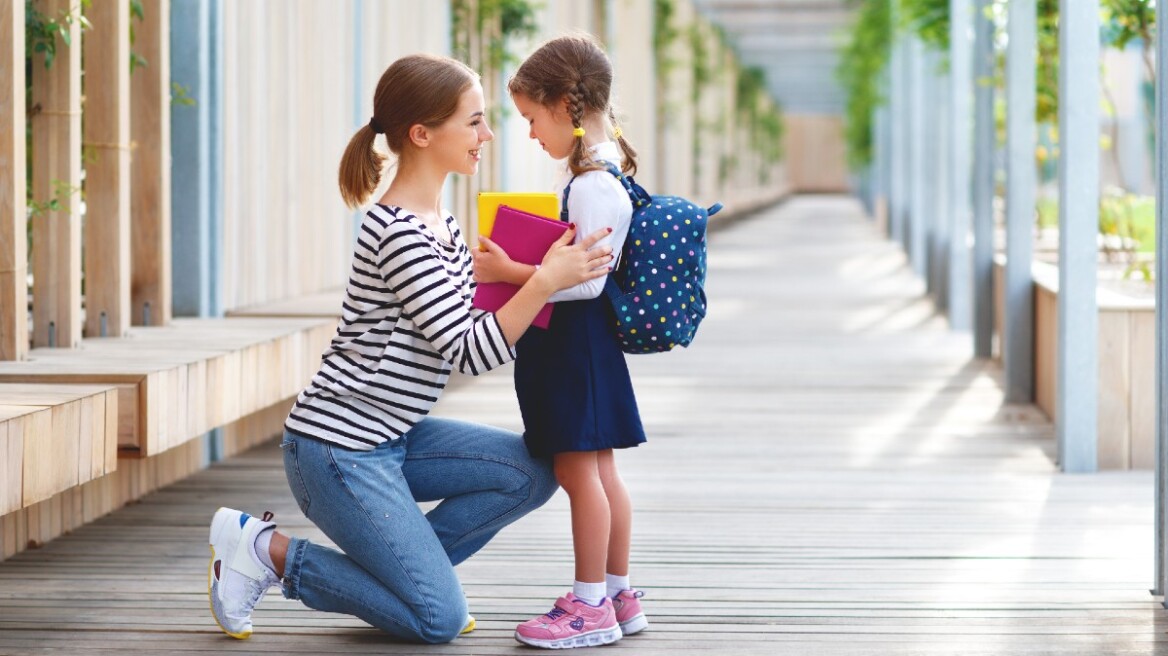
<point x="526" y="238"/>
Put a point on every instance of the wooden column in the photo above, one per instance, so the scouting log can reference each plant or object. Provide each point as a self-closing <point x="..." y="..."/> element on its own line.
<point x="1021" y="179"/>
<point x="13" y="238"/>
<point x="984" y="144"/>
<point x="1078" y="357"/>
<point x="1161" y="582"/>
<point x="150" y="275"/>
<point x="106" y="124"/>
<point x="961" y="78"/>
<point x="56" y="174"/>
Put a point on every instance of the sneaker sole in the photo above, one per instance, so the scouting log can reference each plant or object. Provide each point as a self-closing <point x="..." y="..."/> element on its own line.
<point x="635" y="625"/>
<point x="591" y="639"/>
<point x="216" y="526"/>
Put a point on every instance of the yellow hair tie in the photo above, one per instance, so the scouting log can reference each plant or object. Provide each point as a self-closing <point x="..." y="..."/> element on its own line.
<point x="578" y="132"/>
<point x="616" y="132"/>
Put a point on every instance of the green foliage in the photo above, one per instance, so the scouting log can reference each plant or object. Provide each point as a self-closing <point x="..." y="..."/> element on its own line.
<point x="41" y="31"/>
<point x="928" y="18"/>
<point x="136" y="11"/>
<point x="516" y="18"/>
<point x="862" y="62"/>
<point x="1125" y="21"/>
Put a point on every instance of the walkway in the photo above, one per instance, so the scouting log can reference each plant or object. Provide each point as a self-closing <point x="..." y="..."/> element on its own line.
<point x="828" y="473"/>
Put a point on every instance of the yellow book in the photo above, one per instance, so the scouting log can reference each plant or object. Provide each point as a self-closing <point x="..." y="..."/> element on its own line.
<point x="542" y="204"/>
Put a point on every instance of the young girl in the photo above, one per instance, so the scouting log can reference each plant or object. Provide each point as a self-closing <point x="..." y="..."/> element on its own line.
<point x="572" y="382"/>
<point x="359" y="448"/>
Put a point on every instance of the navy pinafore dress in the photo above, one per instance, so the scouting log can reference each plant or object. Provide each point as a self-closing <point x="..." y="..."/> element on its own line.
<point x="573" y="384"/>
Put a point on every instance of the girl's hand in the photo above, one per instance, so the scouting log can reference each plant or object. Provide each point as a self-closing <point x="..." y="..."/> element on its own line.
<point x="567" y="264"/>
<point x="491" y="265"/>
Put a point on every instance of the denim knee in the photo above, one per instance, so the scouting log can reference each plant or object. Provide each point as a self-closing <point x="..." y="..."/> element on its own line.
<point x="542" y="483"/>
<point x="446" y="622"/>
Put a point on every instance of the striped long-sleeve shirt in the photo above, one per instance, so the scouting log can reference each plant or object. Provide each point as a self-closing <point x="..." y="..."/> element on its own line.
<point x="406" y="321"/>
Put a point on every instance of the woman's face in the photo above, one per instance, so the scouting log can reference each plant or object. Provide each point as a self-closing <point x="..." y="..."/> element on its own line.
<point x="550" y="126"/>
<point x="458" y="141"/>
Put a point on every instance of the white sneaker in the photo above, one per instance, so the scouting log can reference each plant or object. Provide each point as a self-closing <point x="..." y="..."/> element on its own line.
<point x="236" y="579"/>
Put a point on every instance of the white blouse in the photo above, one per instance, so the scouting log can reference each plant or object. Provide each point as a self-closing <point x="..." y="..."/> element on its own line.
<point x="597" y="200"/>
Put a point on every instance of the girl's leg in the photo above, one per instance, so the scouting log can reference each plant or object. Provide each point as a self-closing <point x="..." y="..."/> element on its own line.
<point x="579" y="475"/>
<point x="484" y="476"/>
<point x="620" y="512"/>
<point x="393" y="573"/>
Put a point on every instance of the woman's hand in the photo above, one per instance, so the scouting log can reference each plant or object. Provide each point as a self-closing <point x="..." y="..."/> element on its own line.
<point x="492" y="264"/>
<point x="567" y="265"/>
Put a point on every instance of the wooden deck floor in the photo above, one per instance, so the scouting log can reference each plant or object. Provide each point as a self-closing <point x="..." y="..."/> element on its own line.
<point x="828" y="472"/>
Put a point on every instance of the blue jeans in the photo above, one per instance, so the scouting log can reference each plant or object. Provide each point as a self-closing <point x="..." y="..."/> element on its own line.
<point x="397" y="569"/>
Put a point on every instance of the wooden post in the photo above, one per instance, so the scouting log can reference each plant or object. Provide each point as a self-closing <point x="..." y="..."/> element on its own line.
<point x="106" y="125"/>
<point x="984" y="141"/>
<point x="1078" y="357"/>
<point x="150" y="295"/>
<point x="961" y="78"/>
<point x="56" y="174"/>
<point x="1021" y="139"/>
<point x="1161" y="582"/>
<point x="13" y="210"/>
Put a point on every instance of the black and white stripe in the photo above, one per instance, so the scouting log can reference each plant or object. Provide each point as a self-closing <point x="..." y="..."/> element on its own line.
<point x="405" y="322"/>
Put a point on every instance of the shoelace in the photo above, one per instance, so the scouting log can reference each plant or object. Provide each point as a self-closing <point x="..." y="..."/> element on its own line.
<point x="555" y="613"/>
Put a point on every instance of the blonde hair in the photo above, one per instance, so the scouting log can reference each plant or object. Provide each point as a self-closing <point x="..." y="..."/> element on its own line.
<point x="416" y="89"/>
<point x="573" y="67"/>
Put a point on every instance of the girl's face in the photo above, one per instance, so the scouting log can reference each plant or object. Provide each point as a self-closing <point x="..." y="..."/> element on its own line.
<point x="458" y="141"/>
<point x="550" y="126"/>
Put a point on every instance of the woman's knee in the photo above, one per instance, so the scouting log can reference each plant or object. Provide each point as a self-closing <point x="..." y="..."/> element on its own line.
<point x="444" y="622"/>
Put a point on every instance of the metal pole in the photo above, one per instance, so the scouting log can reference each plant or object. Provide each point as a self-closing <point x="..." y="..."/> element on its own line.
<point x="1021" y="180"/>
<point x="918" y="218"/>
<point x="1161" y="296"/>
<point x="961" y="80"/>
<point x="1078" y="330"/>
<point x="983" y="181"/>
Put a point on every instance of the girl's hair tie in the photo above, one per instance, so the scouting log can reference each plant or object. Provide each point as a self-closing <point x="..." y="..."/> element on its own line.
<point x="373" y="125"/>
<point x="616" y="132"/>
<point x="578" y="132"/>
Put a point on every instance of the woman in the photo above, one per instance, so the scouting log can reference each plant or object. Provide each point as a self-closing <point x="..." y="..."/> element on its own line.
<point x="359" y="448"/>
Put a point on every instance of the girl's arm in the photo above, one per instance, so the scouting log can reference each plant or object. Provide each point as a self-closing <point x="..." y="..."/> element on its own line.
<point x="597" y="199"/>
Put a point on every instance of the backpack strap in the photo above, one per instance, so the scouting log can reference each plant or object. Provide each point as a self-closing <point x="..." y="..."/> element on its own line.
<point x="636" y="194"/>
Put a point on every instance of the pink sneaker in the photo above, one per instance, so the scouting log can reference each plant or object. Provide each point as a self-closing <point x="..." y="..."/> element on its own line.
<point x="571" y="623"/>
<point x="628" y="611"/>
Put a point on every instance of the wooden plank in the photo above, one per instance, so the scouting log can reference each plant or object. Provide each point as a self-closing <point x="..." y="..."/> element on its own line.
<point x="1143" y="403"/>
<point x="150" y="171"/>
<point x="56" y="175"/>
<point x="13" y="208"/>
<point x="106" y="124"/>
<point x="1114" y="448"/>
<point x="11" y="463"/>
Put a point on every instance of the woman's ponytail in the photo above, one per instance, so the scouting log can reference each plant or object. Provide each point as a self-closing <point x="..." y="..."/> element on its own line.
<point x="361" y="167"/>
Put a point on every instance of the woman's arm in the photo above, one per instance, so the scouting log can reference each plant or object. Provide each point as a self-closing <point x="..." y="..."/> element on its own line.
<point x="565" y="265"/>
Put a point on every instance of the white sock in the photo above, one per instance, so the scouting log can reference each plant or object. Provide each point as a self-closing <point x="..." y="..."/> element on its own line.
<point x="261" y="545"/>
<point x="590" y="593"/>
<point x="616" y="584"/>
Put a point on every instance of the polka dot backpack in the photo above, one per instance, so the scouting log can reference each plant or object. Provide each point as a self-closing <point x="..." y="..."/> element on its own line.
<point x="657" y="290"/>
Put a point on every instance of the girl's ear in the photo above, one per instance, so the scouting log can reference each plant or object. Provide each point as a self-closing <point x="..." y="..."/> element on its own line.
<point x="419" y="135"/>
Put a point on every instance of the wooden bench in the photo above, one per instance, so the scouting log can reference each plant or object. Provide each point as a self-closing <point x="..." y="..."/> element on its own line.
<point x="52" y="438"/>
<point x="180" y="381"/>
